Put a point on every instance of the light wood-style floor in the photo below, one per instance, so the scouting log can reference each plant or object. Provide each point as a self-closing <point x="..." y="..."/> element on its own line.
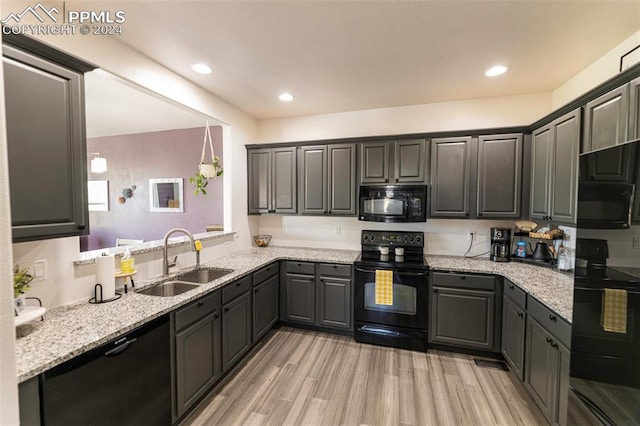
<point x="300" y="377"/>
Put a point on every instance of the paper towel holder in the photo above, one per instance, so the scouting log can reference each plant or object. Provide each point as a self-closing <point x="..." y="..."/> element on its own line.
<point x="95" y="300"/>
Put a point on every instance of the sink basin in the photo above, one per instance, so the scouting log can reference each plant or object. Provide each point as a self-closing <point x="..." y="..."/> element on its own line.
<point x="168" y="289"/>
<point x="203" y="276"/>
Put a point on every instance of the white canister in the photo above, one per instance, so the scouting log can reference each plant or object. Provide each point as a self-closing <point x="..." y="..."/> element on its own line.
<point x="399" y="251"/>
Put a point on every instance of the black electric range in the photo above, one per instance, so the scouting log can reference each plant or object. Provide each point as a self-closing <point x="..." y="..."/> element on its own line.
<point x="402" y="321"/>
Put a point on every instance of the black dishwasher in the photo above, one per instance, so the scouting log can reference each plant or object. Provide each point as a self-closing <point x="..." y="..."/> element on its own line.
<point x="124" y="382"/>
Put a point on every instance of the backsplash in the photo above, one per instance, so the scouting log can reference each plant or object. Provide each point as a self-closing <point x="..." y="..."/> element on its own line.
<point x="442" y="236"/>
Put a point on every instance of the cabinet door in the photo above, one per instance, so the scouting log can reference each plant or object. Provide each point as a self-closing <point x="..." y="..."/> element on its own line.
<point x="634" y="109"/>
<point x="374" y="162"/>
<point x="409" y="160"/>
<point x="334" y="302"/>
<point x="198" y="360"/>
<point x="541" y="368"/>
<point x="312" y="180"/>
<point x="499" y="175"/>
<point x="259" y="180"/>
<point x="236" y="330"/>
<point x="606" y="119"/>
<point x="563" y="384"/>
<point x="609" y="165"/>
<point x="300" y="298"/>
<point x="450" y="176"/>
<point x="461" y="317"/>
<point x="29" y="397"/>
<point x="285" y="195"/>
<point x="265" y="307"/>
<point x="342" y="179"/>
<point x="46" y="147"/>
<point x="513" y="329"/>
<point x="541" y="146"/>
<point x="565" y="153"/>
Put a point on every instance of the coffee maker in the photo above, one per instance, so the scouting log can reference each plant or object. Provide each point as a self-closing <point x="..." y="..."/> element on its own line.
<point x="500" y="244"/>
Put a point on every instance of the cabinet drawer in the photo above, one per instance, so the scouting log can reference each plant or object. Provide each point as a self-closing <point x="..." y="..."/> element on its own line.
<point x="560" y="329"/>
<point x="515" y="293"/>
<point x="301" y="268"/>
<point x="333" y="270"/>
<point x="197" y="309"/>
<point x="480" y="282"/>
<point x="235" y="289"/>
<point x="264" y="273"/>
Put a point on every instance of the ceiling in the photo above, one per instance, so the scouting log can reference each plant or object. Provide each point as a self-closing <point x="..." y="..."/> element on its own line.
<point x="336" y="56"/>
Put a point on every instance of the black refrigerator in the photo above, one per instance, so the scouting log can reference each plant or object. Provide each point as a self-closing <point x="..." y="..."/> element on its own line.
<point x="605" y="338"/>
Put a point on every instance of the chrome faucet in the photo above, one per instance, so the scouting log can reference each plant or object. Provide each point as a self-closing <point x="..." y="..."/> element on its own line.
<point x="165" y="249"/>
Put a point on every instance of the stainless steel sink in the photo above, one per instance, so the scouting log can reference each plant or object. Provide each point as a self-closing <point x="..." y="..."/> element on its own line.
<point x="168" y="289"/>
<point x="203" y="276"/>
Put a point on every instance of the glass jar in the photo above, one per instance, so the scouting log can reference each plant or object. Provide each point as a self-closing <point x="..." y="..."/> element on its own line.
<point x="521" y="249"/>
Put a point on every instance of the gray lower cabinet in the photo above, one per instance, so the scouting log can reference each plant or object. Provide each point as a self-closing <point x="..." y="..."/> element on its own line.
<point x="265" y="306"/>
<point x="300" y="298"/>
<point x="547" y="361"/>
<point x="327" y="179"/>
<point x="606" y="119"/>
<point x="499" y="175"/>
<point x="29" y="397"/>
<point x="272" y="180"/>
<point x="401" y="161"/>
<point x="334" y="296"/>
<point x="451" y="176"/>
<point x="318" y="294"/>
<point x="46" y="141"/>
<point x="236" y="329"/>
<point x="197" y="351"/>
<point x="513" y="335"/>
<point x="465" y="311"/>
<point x="554" y="170"/>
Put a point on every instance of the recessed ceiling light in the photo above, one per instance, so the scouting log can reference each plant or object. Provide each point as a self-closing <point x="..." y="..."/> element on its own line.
<point x="287" y="97"/>
<point x="497" y="70"/>
<point x="201" y="68"/>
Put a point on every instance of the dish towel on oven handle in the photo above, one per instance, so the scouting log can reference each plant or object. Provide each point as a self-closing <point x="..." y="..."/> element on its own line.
<point x="384" y="287"/>
<point x="613" y="317"/>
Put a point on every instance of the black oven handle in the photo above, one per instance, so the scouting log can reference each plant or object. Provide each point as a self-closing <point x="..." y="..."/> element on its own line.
<point x="413" y="274"/>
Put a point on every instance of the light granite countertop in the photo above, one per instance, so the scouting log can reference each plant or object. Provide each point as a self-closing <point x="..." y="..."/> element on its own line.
<point x="70" y="330"/>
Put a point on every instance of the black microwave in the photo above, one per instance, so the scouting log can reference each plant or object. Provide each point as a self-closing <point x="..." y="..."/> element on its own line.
<point x="605" y="205"/>
<point x="390" y="203"/>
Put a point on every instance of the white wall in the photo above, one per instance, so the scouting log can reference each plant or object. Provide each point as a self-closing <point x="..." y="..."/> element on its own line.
<point x="606" y="67"/>
<point x="8" y="382"/>
<point x="443" y="116"/>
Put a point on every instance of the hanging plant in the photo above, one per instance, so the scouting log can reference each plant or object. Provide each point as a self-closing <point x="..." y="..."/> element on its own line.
<point x="206" y="171"/>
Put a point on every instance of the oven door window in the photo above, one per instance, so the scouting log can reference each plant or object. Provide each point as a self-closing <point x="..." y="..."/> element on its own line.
<point x="385" y="207"/>
<point x="404" y="299"/>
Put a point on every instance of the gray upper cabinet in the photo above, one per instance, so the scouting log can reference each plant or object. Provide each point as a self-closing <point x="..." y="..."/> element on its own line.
<point x="312" y="179"/>
<point x="260" y="187"/>
<point x="45" y="122"/>
<point x="374" y="162"/>
<point x="606" y="119"/>
<point x="272" y="180"/>
<point x="634" y="109"/>
<point x="409" y="161"/>
<point x="342" y="179"/>
<point x="450" y="176"/>
<point x="401" y="161"/>
<point x="327" y="179"/>
<point x="499" y="175"/>
<point x="554" y="169"/>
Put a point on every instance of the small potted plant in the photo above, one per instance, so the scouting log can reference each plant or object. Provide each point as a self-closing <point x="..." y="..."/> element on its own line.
<point x="21" y="280"/>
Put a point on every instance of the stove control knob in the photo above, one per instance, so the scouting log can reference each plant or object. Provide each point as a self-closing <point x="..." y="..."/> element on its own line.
<point x="410" y="239"/>
<point x="365" y="237"/>
<point x="418" y="239"/>
<point x="372" y="237"/>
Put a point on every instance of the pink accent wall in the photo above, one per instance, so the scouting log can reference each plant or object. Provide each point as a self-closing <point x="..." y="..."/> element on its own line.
<point x="136" y="158"/>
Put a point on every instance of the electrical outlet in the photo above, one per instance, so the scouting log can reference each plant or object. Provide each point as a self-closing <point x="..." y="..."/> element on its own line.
<point x="636" y="242"/>
<point x="338" y="230"/>
<point x="40" y="269"/>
